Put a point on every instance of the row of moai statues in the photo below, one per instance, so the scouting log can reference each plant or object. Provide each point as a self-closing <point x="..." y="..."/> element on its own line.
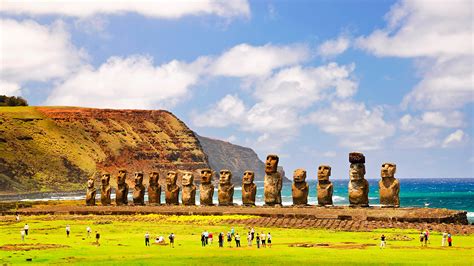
<point x="273" y="181"/>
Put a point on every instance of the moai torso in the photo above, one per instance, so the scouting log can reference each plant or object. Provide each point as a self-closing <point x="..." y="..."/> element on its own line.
<point x="325" y="187"/>
<point x="358" y="186"/>
<point x="188" y="195"/>
<point x="91" y="192"/>
<point x="105" y="190"/>
<point x="226" y="189"/>
<point x="300" y="187"/>
<point x="172" y="190"/>
<point x="139" y="190"/>
<point x="272" y="181"/>
<point x="389" y="187"/>
<point x="249" y="189"/>
<point x="206" y="189"/>
<point x="154" y="189"/>
<point x="121" y="194"/>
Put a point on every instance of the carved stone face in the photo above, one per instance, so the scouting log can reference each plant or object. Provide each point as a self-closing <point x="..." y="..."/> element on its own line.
<point x="187" y="178"/>
<point x="324" y="172"/>
<point x="248" y="177"/>
<point x="105" y="179"/>
<point x="206" y="176"/>
<point x="171" y="177"/>
<point x="271" y="164"/>
<point x="299" y="176"/>
<point x="225" y="177"/>
<point x="154" y="177"/>
<point x="357" y="171"/>
<point x="122" y="176"/>
<point x="388" y="170"/>
<point x="138" y="178"/>
<point x="90" y="183"/>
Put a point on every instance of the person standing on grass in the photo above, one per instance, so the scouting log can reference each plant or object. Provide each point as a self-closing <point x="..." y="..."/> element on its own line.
<point x="258" y="241"/>
<point x="382" y="241"/>
<point x="203" y="240"/>
<point x="249" y="239"/>
<point x="422" y="237"/>
<point x="450" y="240"/>
<point x="147" y="239"/>
<point x="171" y="238"/>
<point x="269" y="240"/>
<point x="428" y="236"/>
<point x="206" y="236"/>
<point x="443" y="239"/>
<point x="237" y="240"/>
<point x="221" y="239"/>
<point x="68" y="230"/>
<point x="89" y="231"/>
<point x="22" y="233"/>
<point x="425" y="237"/>
<point x="229" y="239"/>
<point x="262" y="238"/>
<point x="210" y="238"/>
<point x="97" y="237"/>
<point x="252" y="232"/>
<point x="26" y="228"/>
<point x="232" y="231"/>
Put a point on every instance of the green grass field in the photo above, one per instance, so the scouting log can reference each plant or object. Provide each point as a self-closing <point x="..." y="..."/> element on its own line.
<point x="122" y="242"/>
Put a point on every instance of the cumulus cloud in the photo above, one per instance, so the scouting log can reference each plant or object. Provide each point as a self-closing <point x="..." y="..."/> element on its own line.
<point x="34" y="52"/>
<point x="130" y="82"/>
<point x="9" y="88"/>
<point x="246" y="60"/>
<point x="332" y="48"/>
<point x="228" y="110"/>
<point x="167" y="9"/>
<point x="455" y="138"/>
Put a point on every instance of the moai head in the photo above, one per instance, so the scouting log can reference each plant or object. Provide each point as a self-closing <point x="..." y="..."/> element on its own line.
<point x="187" y="179"/>
<point x="324" y="172"/>
<point x="105" y="179"/>
<point x="154" y="178"/>
<point x="357" y="169"/>
<point x="248" y="177"/>
<point x="206" y="176"/>
<point x="122" y="177"/>
<point x="225" y="177"/>
<point x="90" y="183"/>
<point x="138" y="178"/>
<point x="388" y="170"/>
<point x="171" y="177"/>
<point x="271" y="165"/>
<point x="299" y="176"/>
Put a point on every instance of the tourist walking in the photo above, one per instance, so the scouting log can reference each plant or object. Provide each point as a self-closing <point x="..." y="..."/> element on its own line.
<point x="221" y="239"/>
<point x="258" y="241"/>
<point x="269" y="240"/>
<point x="97" y="237"/>
<point x="26" y="228"/>
<point x="249" y="239"/>
<point x="210" y="238"/>
<point x="89" y="231"/>
<point x="382" y="241"/>
<point x="450" y="240"/>
<point x="237" y="240"/>
<point x="22" y="233"/>
<point x="68" y="230"/>
<point x="147" y="239"/>
<point x="171" y="238"/>
<point x="203" y="240"/>
<point x="262" y="238"/>
<point x="229" y="239"/>
<point x="443" y="239"/>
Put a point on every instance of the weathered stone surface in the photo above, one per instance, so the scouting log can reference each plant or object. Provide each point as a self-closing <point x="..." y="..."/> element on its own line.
<point x="172" y="190"/>
<point x="188" y="195"/>
<point x="226" y="188"/>
<point x="300" y="188"/>
<point x="206" y="189"/>
<point x="389" y="186"/>
<point x="139" y="189"/>
<point x="325" y="187"/>
<point x="105" y="189"/>
<point x="154" y="188"/>
<point x="91" y="192"/>
<point x="272" y="181"/>
<point x="121" y="193"/>
<point x="249" y="189"/>
<point x="358" y="186"/>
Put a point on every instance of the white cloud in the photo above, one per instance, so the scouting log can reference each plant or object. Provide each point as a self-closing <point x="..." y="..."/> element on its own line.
<point x="439" y="35"/>
<point x="33" y="52"/>
<point x="455" y="138"/>
<point x="329" y="154"/>
<point x="131" y="82"/>
<point x="357" y="126"/>
<point x="229" y="110"/>
<point x="167" y="9"/>
<point x="9" y="88"/>
<point x="332" y="48"/>
<point x="443" y="119"/>
<point x="245" y="60"/>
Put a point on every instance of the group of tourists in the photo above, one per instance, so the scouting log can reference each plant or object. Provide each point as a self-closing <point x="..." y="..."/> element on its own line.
<point x="425" y="238"/>
<point x="160" y="240"/>
<point x="261" y="240"/>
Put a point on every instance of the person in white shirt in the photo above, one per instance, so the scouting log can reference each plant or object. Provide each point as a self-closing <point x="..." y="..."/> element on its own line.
<point x="443" y="240"/>
<point x="263" y="236"/>
<point x="26" y="228"/>
<point x="269" y="240"/>
<point x="68" y="230"/>
<point x="89" y="231"/>
<point x="249" y="239"/>
<point x="22" y="233"/>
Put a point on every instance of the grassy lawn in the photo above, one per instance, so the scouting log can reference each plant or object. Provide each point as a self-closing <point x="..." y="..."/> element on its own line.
<point x="122" y="241"/>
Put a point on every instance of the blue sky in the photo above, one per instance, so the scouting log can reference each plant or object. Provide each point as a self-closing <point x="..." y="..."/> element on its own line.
<point x="308" y="80"/>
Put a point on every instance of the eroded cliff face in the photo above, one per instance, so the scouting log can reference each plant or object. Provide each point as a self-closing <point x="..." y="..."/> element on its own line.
<point x="56" y="149"/>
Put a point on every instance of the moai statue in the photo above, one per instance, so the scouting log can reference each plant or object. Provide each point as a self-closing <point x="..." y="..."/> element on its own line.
<point x="91" y="192"/>
<point x="249" y="189"/>
<point x="325" y="187"/>
<point x="172" y="190"/>
<point x="389" y="186"/>
<point x="358" y="186"/>
<point x="139" y="190"/>
<point x="272" y="182"/>
<point x="105" y="189"/>
<point x="154" y="189"/>
<point x="188" y="195"/>
<point x="300" y="188"/>
<point x="121" y="194"/>
<point x="226" y="189"/>
<point x="206" y="188"/>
